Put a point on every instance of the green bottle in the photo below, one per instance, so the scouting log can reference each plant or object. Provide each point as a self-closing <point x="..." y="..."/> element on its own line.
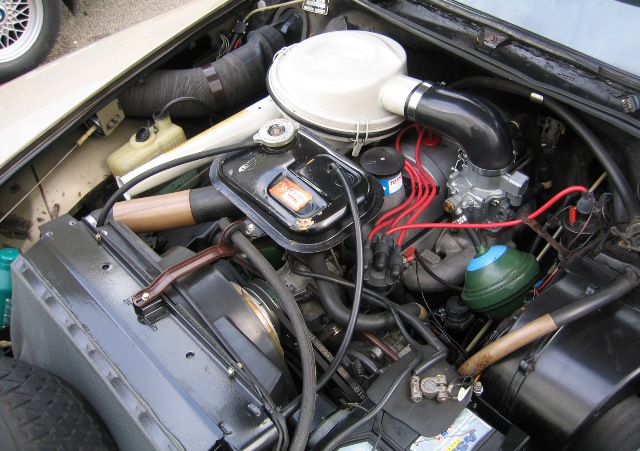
<point x="7" y="256"/>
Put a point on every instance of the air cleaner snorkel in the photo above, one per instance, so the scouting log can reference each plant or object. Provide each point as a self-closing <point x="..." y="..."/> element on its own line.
<point x="472" y="122"/>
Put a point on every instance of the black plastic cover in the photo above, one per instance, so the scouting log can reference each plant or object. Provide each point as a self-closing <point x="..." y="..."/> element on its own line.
<point x="294" y="193"/>
<point x="557" y="386"/>
<point x="160" y="386"/>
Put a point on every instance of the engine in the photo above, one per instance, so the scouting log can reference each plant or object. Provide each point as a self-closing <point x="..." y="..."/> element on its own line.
<point x="407" y="258"/>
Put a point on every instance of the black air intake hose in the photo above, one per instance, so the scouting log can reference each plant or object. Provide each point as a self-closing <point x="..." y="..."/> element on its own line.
<point x="229" y="82"/>
<point x="470" y="121"/>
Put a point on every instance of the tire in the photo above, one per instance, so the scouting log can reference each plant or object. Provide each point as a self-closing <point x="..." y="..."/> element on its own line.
<point x="39" y="411"/>
<point x="28" y="30"/>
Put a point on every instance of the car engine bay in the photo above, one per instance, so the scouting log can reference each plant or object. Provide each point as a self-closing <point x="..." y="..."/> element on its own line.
<point x="322" y="229"/>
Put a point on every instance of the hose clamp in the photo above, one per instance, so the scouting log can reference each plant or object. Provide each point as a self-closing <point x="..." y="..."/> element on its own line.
<point x="487" y="172"/>
<point x="213" y="80"/>
<point x="536" y="98"/>
<point x="414" y="99"/>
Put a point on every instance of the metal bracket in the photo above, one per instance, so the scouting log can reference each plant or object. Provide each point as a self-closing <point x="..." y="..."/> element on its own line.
<point x="491" y="40"/>
<point x="629" y="235"/>
<point x="152" y="313"/>
<point x="167" y="277"/>
<point x="536" y="227"/>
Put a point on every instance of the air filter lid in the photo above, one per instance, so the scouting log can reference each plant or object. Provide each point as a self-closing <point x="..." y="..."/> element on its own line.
<point x="332" y="82"/>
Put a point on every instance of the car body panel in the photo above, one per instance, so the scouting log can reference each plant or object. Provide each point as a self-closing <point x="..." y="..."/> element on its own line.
<point x="606" y="30"/>
<point x="63" y="94"/>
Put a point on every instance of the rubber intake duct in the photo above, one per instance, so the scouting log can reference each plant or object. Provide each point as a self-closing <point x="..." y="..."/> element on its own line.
<point x="232" y="80"/>
<point x="472" y="122"/>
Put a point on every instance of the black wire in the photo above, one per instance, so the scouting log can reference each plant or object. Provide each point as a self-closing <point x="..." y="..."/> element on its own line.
<point x="370" y="295"/>
<point x="299" y="329"/>
<point x="177" y="100"/>
<point x="377" y="299"/>
<point x="357" y="297"/>
<point x="232" y="43"/>
<point x="394" y="312"/>
<point x="375" y="410"/>
<point x="444" y="333"/>
<point x="243" y="145"/>
<point x="375" y="445"/>
<point x="429" y="271"/>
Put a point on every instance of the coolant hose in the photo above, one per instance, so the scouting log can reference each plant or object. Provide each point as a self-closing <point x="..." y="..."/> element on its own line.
<point x="546" y="324"/>
<point x="290" y="307"/>
<point x="228" y="82"/>
<point x="330" y="299"/>
<point x="173" y="210"/>
<point x="572" y="121"/>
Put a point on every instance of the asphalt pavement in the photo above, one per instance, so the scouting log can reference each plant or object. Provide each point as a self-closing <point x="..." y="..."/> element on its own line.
<point x="96" y="19"/>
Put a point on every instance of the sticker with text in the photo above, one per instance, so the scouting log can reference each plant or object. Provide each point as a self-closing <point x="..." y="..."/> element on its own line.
<point x="290" y="194"/>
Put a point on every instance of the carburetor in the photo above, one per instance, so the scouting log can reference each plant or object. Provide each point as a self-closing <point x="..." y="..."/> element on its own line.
<point x="477" y="195"/>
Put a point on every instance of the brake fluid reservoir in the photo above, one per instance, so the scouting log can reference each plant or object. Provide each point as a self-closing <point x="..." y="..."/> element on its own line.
<point x="146" y="144"/>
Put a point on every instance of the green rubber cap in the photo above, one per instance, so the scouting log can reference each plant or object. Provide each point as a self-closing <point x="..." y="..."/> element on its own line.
<point x="498" y="279"/>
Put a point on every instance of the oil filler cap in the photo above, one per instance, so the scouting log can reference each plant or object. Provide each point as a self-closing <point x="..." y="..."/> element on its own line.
<point x="276" y="133"/>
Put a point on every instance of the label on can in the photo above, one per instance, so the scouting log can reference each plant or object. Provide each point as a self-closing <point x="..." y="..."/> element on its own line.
<point x="392" y="185"/>
<point x="467" y="433"/>
<point x="290" y="194"/>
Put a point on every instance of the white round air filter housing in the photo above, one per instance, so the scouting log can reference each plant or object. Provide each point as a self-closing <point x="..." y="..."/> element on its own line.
<point x="332" y="84"/>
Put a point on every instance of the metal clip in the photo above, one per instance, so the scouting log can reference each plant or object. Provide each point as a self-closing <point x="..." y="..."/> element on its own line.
<point x="357" y="142"/>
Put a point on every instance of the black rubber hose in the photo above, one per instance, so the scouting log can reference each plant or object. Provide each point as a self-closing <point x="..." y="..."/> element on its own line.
<point x="380" y="301"/>
<point x="231" y="81"/>
<point x="428" y="363"/>
<point x="530" y="129"/>
<point x="209" y="204"/>
<point x="357" y="296"/>
<point x="472" y="122"/>
<point x="573" y="122"/>
<point x="436" y="277"/>
<point x="290" y="307"/>
<point x="476" y="238"/>
<point x="616" y="289"/>
<point x="330" y="299"/>
<point x="243" y="145"/>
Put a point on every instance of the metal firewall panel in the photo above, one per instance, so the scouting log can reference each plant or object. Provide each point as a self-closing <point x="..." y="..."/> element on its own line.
<point x="155" y="388"/>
